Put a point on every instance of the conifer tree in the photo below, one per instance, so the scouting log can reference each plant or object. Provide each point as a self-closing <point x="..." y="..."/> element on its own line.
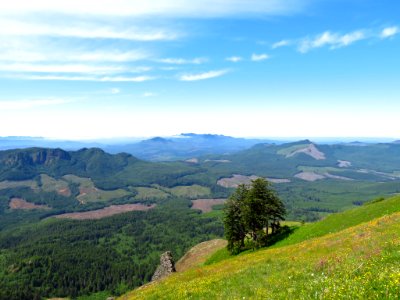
<point x="254" y="211"/>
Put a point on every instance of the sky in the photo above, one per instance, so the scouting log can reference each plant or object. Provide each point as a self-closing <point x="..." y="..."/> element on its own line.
<point x="88" y="69"/>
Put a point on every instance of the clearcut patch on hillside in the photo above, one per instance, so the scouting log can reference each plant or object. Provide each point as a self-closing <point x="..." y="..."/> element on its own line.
<point x="309" y="176"/>
<point x="105" y="212"/>
<point x="237" y="179"/>
<point x="18" y="203"/>
<point x="88" y="192"/>
<point x="310" y="150"/>
<point x="206" y="205"/>
<point x="344" y="164"/>
<point x="8" y="184"/>
<point x="50" y="184"/>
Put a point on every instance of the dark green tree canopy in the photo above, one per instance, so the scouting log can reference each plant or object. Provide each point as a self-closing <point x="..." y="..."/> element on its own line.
<point x="253" y="211"/>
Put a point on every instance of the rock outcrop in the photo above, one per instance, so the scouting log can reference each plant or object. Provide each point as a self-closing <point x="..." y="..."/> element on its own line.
<point x="166" y="267"/>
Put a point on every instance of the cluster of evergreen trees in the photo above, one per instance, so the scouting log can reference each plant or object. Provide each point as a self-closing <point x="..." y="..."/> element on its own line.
<point x="252" y="213"/>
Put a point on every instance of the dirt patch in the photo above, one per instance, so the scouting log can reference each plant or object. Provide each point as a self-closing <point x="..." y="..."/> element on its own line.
<point x="199" y="254"/>
<point x="309" y="176"/>
<point x="105" y="212"/>
<point x="344" y="164"/>
<point x="337" y="177"/>
<point x="205" y="205"/>
<point x="235" y="180"/>
<point x="192" y="161"/>
<point x="278" y="180"/>
<point x="66" y="192"/>
<point x="312" y="176"/>
<point x="310" y="150"/>
<point x="18" y="203"/>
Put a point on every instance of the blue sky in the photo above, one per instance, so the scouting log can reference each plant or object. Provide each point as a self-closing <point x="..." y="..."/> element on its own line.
<point x="271" y="68"/>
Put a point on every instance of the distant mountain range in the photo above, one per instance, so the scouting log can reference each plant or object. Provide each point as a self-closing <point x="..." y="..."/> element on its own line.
<point x="183" y="146"/>
<point x="180" y="147"/>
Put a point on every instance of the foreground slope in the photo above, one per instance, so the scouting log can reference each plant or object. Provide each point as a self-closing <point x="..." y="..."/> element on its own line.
<point x="360" y="262"/>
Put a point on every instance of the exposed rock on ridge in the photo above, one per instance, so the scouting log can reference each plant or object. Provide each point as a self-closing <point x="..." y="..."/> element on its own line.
<point x="166" y="267"/>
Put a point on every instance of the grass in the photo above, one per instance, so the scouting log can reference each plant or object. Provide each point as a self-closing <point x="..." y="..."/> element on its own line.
<point x="49" y="184"/>
<point x="337" y="222"/>
<point x="332" y="223"/>
<point x="89" y="193"/>
<point x="191" y="192"/>
<point x="16" y="184"/>
<point x="319" y="170"/>
<point x="351" y="255"/>
<point x="95" y="296"/>
<point x="145" y="193"/>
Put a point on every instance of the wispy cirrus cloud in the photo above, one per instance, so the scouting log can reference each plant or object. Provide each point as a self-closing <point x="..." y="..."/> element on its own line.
<point x="183" y="61"/>
<point x="259" y="57"/>
<point x="171" y="8"/>
<point x="90" y="29"/>
<point x="332" y="40"/>
<point x="62" y="68"/>
<point x="84" y="78"/>
<point x="234" y="59"/>
<point x="282" y="43"/>
<point x="203" y="76"/>
<point x="148" y="94"/>
<point x="30" y="103"/>
<point x="335" y="40"/>
<point x="389" y="32"/>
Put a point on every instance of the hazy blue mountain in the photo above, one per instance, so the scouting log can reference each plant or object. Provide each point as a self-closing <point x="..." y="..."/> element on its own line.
<point x="185" y="146"/>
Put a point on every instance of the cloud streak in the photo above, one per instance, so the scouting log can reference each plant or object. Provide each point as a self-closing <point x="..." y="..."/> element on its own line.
<point x="29" y="104"/>
<point x="183" y="61"/>
<point x="259" y="57"/>
<point x="332" y="40"/>
<point x="280" y="44"/>
<point x="203" y="76"/>
<point x="85" y="78"/>
<point x="389" y="32"/>
<point x="234" y="59"/>
<point x="164" y="8"/>
<point x="87" y="30"/>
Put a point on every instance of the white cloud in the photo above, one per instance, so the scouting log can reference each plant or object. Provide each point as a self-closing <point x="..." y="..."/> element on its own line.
<point x="28" y="104"/>
<point x="67" y="68"/>
<point x="182" y="61"/>
<point x="165" y="8"/>
<point x="92" y="30"/>
<point x="280" y="44"/>
<point x="109" y="56"/>
<point x="259" y="57"/>
<point x="389" y="32"/>
<point x="115" y="91"/>
<point x="85" y="78"/>
<point x="334" y="40"/>
<point x="203" y="76"/>
<point x="234" y="59"/>
<point x="148" y="94"/>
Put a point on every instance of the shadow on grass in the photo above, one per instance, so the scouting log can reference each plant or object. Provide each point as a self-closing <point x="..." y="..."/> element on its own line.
<point x="282" y="234"/>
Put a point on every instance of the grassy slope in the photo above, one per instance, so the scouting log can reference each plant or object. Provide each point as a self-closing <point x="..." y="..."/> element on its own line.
<point x="360" y="259"/>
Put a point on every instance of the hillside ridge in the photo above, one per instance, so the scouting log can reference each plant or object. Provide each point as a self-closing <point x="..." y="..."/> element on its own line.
<point x="344" y="261"/>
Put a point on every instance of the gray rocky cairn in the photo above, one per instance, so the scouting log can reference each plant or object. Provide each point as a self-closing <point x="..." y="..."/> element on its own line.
<point x="166" y="267"/>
